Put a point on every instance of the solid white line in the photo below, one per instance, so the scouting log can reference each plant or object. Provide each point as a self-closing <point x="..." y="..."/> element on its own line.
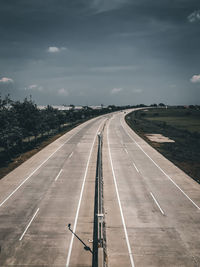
<point x="29" y="224"/>
<point x="161" y="169"/>
<point x="36" y="170"/>
<point x="71" y="155"/>
<point x="119" y="202"/>
<point x="58" y="175"/>
<point x="126" y="150"/>
<point x="80" y="198"/>
<point x="157" y="204"/>
<point x="135" y="167"/>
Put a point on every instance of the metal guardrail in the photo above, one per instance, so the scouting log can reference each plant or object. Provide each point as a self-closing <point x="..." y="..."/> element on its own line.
<point x="100" y="214"/>
<point x="98" y="234"/>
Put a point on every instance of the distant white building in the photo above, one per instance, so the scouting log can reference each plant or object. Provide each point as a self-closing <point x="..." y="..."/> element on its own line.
<point x="69" y="107"/>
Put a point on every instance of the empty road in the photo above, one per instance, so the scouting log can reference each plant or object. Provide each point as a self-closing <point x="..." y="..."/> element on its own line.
<point x="41" y="197"/>
<point x="152" y="209"/>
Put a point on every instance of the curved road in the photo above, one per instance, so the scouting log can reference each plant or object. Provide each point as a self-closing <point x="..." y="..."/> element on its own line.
<point x="152" y="209"/>
<point x="41" y="197"/>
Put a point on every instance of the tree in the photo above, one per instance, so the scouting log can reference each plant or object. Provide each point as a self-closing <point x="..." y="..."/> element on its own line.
<point x="28" y="116"/>
<point x="51" y="118"/>
<point x="72" y="107"/>
<point x="161" y="105"/>
<point x="10" y="131"/>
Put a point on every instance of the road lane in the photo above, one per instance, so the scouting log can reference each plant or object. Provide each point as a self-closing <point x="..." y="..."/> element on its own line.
<point x="84" y="229"/>
<point x="119" y="202"/>
<point x="81" y="195"/>
<point x="155" y="240"/>
<point x="117" y="252"/>
<point x="44" y="239"/>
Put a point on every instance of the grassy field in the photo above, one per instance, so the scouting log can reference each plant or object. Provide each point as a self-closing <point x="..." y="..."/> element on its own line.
<point x="182" y="119"/>
<point x="179" y="124"/>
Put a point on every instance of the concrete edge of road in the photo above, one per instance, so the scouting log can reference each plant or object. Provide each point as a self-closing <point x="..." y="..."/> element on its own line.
<point x="33" y="163"/>
<point x="184" y="181"/>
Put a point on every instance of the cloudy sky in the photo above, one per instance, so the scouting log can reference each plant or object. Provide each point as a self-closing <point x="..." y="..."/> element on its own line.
<point x="91" y="52"/>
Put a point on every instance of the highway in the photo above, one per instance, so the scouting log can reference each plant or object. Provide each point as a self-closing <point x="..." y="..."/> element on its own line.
<point x="152" y="209"/>
<point x="41" y="197"/>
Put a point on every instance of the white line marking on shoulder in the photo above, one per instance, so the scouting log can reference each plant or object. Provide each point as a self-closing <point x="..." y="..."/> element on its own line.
<point x="58" y="174"/>
<point x="126" y="150"/>
<point x="71" y="154"/>
<point x="135" y="167"/>
<point x="29" y="225"/>
<point x="157" y="204"/>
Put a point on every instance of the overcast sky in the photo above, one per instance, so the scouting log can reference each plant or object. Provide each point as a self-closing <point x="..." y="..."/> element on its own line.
<point x="91" y="52"/>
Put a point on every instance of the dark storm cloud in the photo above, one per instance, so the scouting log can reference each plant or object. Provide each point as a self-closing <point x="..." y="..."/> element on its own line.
<point x="85" y="49"/>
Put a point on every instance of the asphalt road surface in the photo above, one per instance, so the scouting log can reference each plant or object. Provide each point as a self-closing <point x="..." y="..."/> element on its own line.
<point x="152" y="209"/>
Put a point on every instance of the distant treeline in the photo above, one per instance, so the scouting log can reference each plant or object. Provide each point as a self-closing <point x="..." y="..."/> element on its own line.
<point x="23" y="125"/>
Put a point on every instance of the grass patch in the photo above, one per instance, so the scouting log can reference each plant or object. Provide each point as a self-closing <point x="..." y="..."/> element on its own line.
<point x="179" y="124"/>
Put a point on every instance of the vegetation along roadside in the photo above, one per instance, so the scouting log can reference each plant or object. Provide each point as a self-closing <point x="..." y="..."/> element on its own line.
<point x="180" y="124"/>
<point x="25" y="128"/>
